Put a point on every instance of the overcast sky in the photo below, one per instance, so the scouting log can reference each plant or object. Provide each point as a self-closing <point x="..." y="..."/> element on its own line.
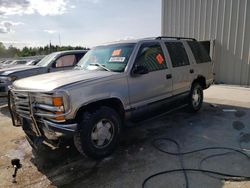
<point x="78" y="22"/>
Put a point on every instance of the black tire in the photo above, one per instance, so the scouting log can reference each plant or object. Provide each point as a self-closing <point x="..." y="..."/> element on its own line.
<point x="85" y="143"/>
<point x="195" y="103"/>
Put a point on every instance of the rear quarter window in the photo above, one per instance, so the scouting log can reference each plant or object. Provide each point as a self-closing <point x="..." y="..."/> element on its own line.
<point x="200" y="53"/>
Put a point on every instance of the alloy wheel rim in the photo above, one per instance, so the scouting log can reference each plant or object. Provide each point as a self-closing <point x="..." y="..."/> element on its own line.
<point x="102" y="133"/>
<point x="196" y="97"/>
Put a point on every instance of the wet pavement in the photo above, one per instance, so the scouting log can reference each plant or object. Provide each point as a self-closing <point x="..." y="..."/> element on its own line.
<point x="221" y="123"/>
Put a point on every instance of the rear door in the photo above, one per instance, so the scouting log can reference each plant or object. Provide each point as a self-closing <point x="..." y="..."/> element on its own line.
<point x="182" y="71"/>
<point x="157" y="83"/>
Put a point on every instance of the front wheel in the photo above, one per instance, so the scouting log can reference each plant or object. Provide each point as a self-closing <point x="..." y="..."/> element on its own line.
<point x="195" y="97"/>
<point x="98" y="133"/>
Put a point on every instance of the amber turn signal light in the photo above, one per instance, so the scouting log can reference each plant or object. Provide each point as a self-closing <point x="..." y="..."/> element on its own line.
<point x="59" y="118"/>
<point x="57" y="101"/>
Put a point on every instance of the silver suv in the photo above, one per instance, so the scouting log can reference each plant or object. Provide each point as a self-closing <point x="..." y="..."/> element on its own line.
<point x="111" y="83"/>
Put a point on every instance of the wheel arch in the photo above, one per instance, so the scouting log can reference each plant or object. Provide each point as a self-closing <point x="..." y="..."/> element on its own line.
<point x="201" y="80"/>
<point x="114" y="103"/>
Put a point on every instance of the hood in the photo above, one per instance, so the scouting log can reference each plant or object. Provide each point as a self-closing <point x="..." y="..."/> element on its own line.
<point x="11" y="70"/>
<point x="51" y="81"/>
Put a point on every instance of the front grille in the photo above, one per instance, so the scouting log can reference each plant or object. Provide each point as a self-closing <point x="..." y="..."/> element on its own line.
<point x="21" y="103"/>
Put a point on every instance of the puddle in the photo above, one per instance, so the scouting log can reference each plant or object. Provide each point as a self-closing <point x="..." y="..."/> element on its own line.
<point x="238" y="125"/>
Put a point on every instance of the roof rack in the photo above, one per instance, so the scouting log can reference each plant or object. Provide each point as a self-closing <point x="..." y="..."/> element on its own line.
<point x="177" y="38"/>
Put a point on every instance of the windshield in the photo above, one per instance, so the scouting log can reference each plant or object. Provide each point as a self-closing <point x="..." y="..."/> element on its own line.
<point x="112" y="57"/>
<point x="46" y="60"/>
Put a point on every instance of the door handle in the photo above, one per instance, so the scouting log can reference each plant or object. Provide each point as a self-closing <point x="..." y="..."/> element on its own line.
<point x="168" y="76"/>
<point x="191" y="71"/>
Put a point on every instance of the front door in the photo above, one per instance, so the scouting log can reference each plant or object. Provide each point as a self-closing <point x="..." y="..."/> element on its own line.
<point x="157" y="83"/>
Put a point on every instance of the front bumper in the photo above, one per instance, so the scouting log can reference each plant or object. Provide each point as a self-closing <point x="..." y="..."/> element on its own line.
<point x="50" y="133"/>
<point x="60" y="129"/>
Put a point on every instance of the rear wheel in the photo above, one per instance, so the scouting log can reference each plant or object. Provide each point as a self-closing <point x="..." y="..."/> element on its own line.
<point x="99" y="133"/>
<point x="195" y="97"/>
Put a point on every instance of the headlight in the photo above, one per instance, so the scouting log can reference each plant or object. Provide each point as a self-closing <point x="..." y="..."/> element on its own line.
<point x="50" y="100"/>
<point x="52" y="106"/>
<point x="44" y="100"/>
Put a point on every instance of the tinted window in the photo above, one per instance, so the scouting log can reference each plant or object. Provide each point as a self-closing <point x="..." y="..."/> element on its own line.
<point x="66" y="61"/>
<point x="200" y="53"/>
<point x="151" y="56"/>
<point x="177" y="54"/>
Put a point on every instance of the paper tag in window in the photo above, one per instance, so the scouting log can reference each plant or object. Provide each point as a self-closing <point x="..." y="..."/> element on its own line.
<point x="117" y="59"/>
<point x="116" y="52"/>
<point x="159" y="59"/>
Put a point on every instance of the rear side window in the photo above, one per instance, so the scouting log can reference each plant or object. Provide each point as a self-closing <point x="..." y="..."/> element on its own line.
<point x="177" y="54"/>
<point x="200" y="53"/>
<point x="151" y="56"/>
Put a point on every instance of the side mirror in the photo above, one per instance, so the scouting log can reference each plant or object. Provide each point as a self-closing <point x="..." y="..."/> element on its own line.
<point x="139" y="69"/>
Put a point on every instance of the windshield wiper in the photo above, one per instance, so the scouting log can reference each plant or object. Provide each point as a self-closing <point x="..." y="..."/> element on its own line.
<point x="100" y="65"/>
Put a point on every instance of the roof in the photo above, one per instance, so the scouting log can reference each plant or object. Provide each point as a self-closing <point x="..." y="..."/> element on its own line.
<point x="70" y="51"/>
<point x="150" y="38"/>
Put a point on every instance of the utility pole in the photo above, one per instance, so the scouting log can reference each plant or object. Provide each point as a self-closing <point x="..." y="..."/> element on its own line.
<point x="50" y="46"/>
<point x="59" y="37"/>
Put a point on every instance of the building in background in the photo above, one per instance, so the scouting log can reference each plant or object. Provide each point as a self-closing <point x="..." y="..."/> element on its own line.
<point x="226" y="21"/>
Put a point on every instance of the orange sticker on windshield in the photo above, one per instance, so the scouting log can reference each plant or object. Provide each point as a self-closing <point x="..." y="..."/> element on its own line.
<point x="116" y="52"/>
<point x="159" y="59"/>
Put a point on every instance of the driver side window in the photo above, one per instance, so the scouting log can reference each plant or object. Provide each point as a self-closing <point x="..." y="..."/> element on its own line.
<point x="150" y="55"/>
<point x="65" y="61"/>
